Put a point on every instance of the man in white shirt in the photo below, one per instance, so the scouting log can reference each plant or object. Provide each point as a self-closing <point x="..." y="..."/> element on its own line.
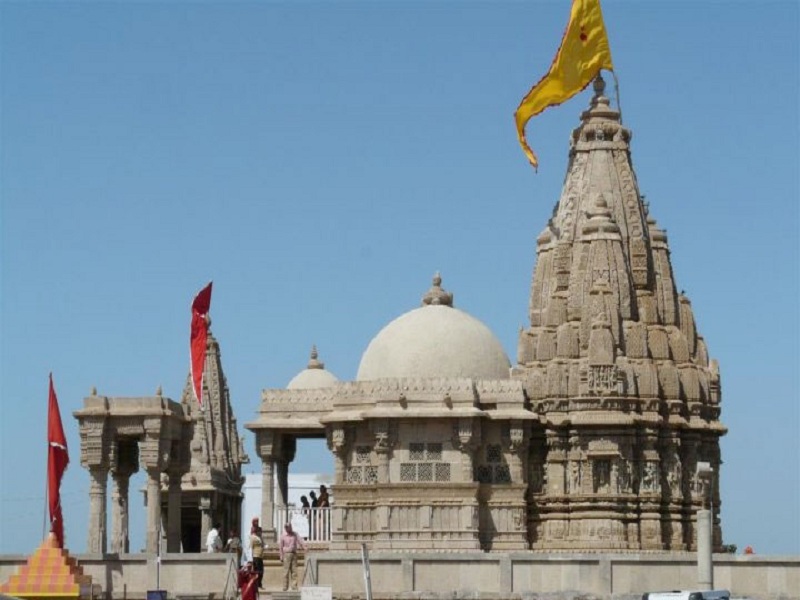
<point x="213" y="541"/>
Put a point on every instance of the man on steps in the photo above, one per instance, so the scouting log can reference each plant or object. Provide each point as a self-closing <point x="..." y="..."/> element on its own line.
<point x="288" y="547"/>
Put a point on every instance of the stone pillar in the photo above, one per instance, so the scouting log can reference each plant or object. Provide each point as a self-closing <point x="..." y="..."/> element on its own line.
<point x="268" y="498"/>
<point x="119" y="513"/>
<point x="556" y="461"/>
<point x="517" y="436"/>
<point x="705" y="567"/>
<point x="96" y="541"/>
<point x="383" y="447"/>
<point x="268" y="446"/>
<point x="205" y="520"/>
<point x="466" y="442"/>
<point x="337" y="443"/>
<point x="153" y="510"/>
<point x="174" y="513"/>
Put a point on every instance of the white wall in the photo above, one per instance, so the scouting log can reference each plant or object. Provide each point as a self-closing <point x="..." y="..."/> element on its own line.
<point x="300" y="484"/>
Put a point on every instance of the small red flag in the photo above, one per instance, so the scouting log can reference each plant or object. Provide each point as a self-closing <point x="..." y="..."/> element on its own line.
<point x="197" y="340"/>
<point x="57" y="461"/>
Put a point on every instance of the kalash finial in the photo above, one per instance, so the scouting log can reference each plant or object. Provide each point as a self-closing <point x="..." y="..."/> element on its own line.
<point x="437" y="295"/>
<point x="599" y="86"/>
<point x="313" y="363"/>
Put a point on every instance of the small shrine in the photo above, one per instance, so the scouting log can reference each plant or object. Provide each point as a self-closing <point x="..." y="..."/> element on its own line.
<point x="193" y="457"/>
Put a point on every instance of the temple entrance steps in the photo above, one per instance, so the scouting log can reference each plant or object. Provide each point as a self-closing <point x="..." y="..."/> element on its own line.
<point x="285" y="595"/>
<point x="273" y="574"/>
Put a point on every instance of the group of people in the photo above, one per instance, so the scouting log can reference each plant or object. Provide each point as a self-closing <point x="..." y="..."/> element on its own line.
<point x="289" y="544"/>
<point x="321" y="501"/>
<point x="214" y="542"/>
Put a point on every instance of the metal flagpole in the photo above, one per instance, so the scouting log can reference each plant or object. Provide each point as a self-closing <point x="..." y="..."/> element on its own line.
<point x="46" y="478"/>
<point x="616" y="91"/>
<point x="367" y="578"/>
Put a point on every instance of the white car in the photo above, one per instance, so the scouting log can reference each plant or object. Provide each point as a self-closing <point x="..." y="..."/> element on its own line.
<point x="688" y="595"/>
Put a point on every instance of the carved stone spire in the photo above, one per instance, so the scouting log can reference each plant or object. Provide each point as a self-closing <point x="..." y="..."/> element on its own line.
<point x="215" y="443"/>
<point x="612" y="353"/>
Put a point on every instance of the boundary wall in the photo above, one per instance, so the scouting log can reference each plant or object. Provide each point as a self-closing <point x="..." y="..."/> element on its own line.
<point x="449" y="575"/>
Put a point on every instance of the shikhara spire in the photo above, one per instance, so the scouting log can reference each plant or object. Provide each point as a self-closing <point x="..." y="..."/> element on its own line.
<point x="613" y="360"/>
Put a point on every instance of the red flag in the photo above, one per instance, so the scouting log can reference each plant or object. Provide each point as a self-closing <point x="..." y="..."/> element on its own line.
<point x="57" y="461"/>
<point x="197" y="341"/>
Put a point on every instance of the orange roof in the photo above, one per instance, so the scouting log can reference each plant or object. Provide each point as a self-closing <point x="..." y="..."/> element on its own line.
<point x="49" y="573"/>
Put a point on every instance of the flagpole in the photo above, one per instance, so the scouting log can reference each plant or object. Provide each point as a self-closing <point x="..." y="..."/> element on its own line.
<point x="46" y="469"/>
<point x="616" y="91"/>
<point x="46" y="485"/>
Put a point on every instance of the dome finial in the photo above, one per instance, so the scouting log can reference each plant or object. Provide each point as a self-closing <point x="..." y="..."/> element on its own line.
<point x="313" y="363"/>
<point x="599" y="85"/>
<point x="437" y="294"/>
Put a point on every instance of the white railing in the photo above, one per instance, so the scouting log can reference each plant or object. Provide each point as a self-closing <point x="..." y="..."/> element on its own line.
<point x="313" y="524"/>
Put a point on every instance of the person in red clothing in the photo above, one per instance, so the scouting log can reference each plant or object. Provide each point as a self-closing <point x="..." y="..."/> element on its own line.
<point x="288" y="547"/>
<point x="247" y="580"/>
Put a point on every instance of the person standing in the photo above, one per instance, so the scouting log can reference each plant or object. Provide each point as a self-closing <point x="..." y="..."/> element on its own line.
<point x="288" y="547"/>
<point x="234" y="546"/>
<point x="213" y="539"/>
<point x="247" y="580"/>
<point x="323" y="516"/>
<point x="313" y="521"/>
<point x="257" y="553"/>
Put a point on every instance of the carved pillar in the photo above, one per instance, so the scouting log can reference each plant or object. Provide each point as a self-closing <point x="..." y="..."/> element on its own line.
<point x="174" y="512"/>
<point x="124" y="461"/>
<point x="205" y="520"/>
<point x="268" y="498"/>
<point x="267" y="447"/>
<point x="337" y="443"/>
<point x="154" y="456"/>
<point x="153" y="509"/>
<point x="94" y="457"/>
<point x="98" y="477"/>
<point x="556" y="461"/>
<point x="517" y="433"/>
<point x="467" y="442"/>
<point x="119" y="512"/>
<point x="536" y="462"/>
<point x="383" y="448"/>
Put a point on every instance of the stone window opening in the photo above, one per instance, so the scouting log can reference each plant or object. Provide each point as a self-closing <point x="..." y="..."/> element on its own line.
<point x="494" y="468"/>
<point x="362" y="470"/>
<point x="424" y="464"/>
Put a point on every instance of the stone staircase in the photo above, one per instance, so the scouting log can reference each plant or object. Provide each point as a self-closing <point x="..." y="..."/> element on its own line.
<point x="273" y="575"/>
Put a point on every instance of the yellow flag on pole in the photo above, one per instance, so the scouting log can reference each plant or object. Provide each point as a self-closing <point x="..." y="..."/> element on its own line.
<point x="583" y="52"/>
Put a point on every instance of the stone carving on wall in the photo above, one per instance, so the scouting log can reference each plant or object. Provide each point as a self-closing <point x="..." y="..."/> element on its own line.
<point x="601" y="473"/>
<point x="650" y="477"/>
<point x="574" y="477"/>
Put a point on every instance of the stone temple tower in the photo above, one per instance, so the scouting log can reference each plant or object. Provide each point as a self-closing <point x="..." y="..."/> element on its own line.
<point x="613" y="365"/>
<point x="212" y="486"/>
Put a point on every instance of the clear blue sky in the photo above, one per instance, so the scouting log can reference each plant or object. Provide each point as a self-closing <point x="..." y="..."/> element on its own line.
<point x="319" y="161"/>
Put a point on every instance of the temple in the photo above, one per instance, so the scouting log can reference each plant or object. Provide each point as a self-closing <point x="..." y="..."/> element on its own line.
<point x="590" y="442"/>
<point x="192" y="454"/>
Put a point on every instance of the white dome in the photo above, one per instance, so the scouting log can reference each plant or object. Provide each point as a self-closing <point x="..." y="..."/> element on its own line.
<point x="315" y="376"/>
<point x="436" y="340"/>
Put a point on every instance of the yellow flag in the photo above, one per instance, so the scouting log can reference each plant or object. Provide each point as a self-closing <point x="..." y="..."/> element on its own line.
<point x="584" y="51"/>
